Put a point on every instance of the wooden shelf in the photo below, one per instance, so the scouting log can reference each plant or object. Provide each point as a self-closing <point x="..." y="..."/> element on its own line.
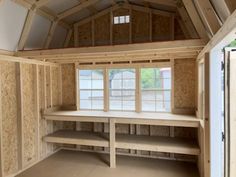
<point x="136" y="142"/>
<point x="158" y="144"/>
<point x="164" y="119"/>
<point x="78" y="138"/>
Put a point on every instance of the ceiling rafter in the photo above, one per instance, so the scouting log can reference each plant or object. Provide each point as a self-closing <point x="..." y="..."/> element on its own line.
<point x="76" y="9"/>
<point x="195" y="18"/>
<point x="209" y="15"/>
<point x="171" y="3"/>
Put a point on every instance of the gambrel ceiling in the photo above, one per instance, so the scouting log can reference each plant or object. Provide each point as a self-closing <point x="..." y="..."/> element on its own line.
<point x="48" y="20"/>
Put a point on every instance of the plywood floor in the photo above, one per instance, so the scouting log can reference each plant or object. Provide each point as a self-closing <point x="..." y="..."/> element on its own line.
<point x="82" y="164"/>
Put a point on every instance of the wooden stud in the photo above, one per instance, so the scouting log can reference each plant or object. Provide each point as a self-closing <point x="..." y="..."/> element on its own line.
<point x="130" y="25"/>
<point x="77" y="86"/>
<point x="76" y="36"/>
<point x="93" y="33"/>
<point x="50" y="34"/>
<point x="1" y="146"/>
<point x="187" y="21"/>
<point x="26" y="29"/>
<point x="150" y="26"/>
<point x="172" y="27"/>
<point x="195" y="18"/>
<point x="209" y="15"/>
<point x="68" y="38"/>
<point x="37" y="110"/>
<point x="106" y="89"/>
<point x="138" y="90"/>
<point x="111" y="27"/>
<point x="112" y="135"/>
<point x="20" y="136"/>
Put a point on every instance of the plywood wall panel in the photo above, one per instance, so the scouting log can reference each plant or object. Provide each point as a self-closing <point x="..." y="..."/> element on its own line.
<point x="102" y="30"/>
<point x="184" y="84"/>
<point x="121" y="31"/>
<point x="29" y="114"/>
<point x="55" y="86"/>
<point x="85" y="34"/>
<point x="179" y="35"/>
<point x="9" y="117"/>
<point x="161" y="28"/>
<point x="140" y="26"/>
<point x="68" y="84"/>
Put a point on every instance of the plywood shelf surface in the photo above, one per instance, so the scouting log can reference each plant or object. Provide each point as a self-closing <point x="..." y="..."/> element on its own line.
<point x="165" y="119"/>
<point x="78" y="138"/>
<point x="157" y="144"/>
<point x="136" y="142"/>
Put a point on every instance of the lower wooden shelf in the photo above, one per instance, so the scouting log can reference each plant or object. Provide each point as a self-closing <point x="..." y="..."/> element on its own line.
<point x="78" y="138"/>
<point x="124" y="141"/>
<point x="157" y="144"/>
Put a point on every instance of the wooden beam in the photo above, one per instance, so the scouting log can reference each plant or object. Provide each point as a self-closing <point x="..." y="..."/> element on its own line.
<point x="195" y="18"/>
<point x="116" y="49"/>
<point x="171" y="3"/>
<point x="20" y="136"/>
<point x="1" y="146"/>
<point x="187" y="21"/>
<point x="41" y="3"/>
<point x="50" y="34"/>
<point x="76" y="36"/>
<point x="231" y="5"/>
<point x="26" y="29"/>
<point x="209" y="15"/>
<point x="68" y="38"/>
<point x="112" y="139"/>
<point x="76" y="9"/>
<point x="228" y="27"/>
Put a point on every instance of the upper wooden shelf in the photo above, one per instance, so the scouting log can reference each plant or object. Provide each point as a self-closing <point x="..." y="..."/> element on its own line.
<point x="164" y="119"/>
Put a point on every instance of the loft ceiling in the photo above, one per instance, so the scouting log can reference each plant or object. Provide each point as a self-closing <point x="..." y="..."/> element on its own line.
<point x="206" y="16"/>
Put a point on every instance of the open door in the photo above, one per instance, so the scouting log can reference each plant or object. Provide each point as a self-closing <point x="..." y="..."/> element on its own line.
<point x="230" y="112"/>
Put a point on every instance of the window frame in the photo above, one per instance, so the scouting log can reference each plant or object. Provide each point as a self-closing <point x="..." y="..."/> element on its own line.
<point x="138" y="96"/>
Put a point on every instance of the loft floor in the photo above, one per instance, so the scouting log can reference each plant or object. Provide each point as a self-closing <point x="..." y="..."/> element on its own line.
<point x="81" y="164"/>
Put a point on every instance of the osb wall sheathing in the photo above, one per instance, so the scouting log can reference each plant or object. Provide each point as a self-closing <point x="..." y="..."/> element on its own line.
<point x="68" y="90"/>
<point x="55" y="86"/>
<point x="102" y="30"/>
<point x="29" y="113"/>
<point x="185" y="84"/>
<point x="161" y="28"/>
<point x="121" y="31"/>
<point x="85" y="35"/>
<point x="9" y="116"/>
<point x="140" y="26"/>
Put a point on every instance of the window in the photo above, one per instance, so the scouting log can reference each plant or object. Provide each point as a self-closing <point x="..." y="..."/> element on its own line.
<point x="122" y="89"/>
<point x="122" y="19"/>
<point x="91" y="89"/>
<point x="156" y="89"/>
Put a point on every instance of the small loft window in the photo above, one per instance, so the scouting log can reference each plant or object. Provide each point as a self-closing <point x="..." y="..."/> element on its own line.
<point x="121" y="19"/>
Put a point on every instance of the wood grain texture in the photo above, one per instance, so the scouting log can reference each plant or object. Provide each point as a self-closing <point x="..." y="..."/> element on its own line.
<point x="9" y="117"/>
<point x="29" y="114"/>
<point x="85" y="35"/>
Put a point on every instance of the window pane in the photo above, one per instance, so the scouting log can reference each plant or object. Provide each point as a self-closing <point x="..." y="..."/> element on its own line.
<point x="116" y="20"/>
<point x="85" y="95"/>
<point x="115" y="105"/>
<point x="85" y="84"/>
<point x="128" y="95"/>
<point x="97" y="84"/>
<point x="128" y="84"/>
<point x="91" y="89"/>
<point x="122" y="19"/>
<point x="97" y="104"/>
<point x="97" y="95"/>
<point x="127" y="20"/>
<point x="114" y="94"/>
<point x="148" y="106"/>
<point x="129" y="105"/>
<point x="85" y="74"/>
<point x="156" y="89"/>
<point x="85" y="104"/>
<point x="148" y="95"/>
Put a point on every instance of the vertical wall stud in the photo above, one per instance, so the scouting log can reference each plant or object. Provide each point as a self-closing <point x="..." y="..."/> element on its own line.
<point x="112" y="134"/>
<point x="1" y="151"/>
